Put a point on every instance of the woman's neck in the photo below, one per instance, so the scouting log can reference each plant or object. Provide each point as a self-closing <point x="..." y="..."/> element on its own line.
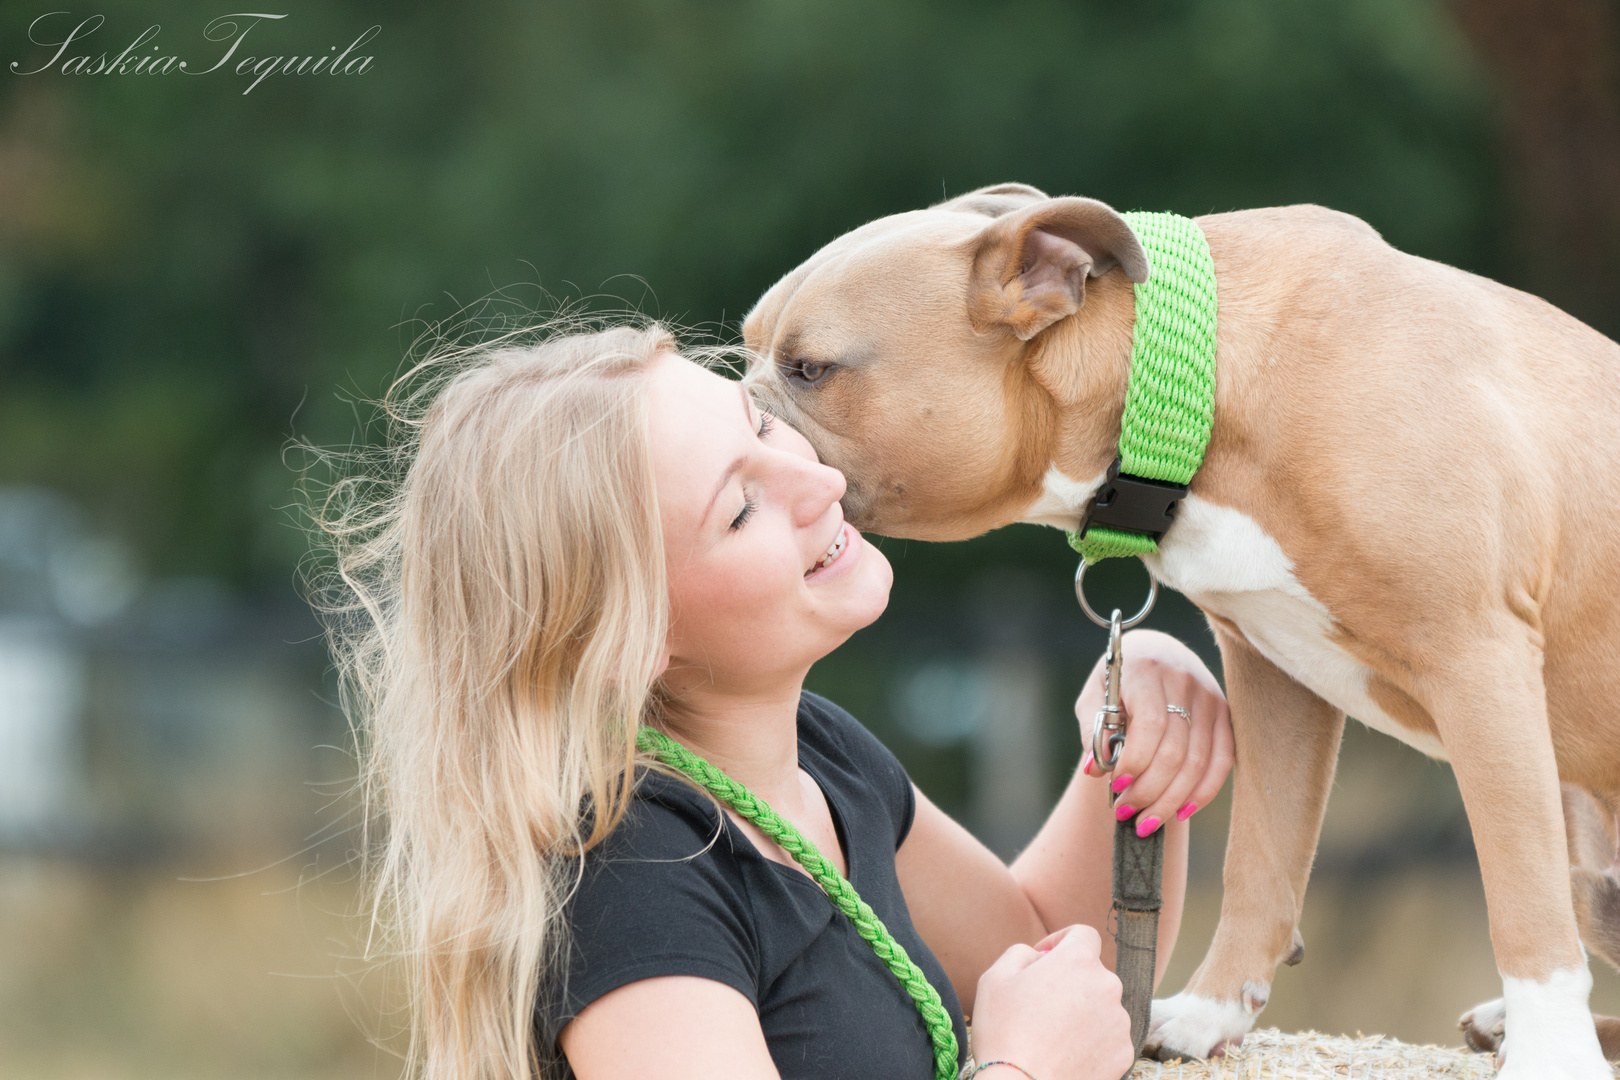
<point x="751" y="737"/>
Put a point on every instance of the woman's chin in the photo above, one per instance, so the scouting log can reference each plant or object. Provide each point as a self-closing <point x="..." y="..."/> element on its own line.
<point x="878" y="566"/>
<point x="866" y="591"/>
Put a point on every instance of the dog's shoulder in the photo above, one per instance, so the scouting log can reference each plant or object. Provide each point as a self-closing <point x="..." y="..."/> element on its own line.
<point x="1306" y="245"/>
<point x="1301" y="219"/>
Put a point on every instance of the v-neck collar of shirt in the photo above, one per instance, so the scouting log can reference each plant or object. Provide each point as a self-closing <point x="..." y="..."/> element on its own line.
<point x="794" y="870"/>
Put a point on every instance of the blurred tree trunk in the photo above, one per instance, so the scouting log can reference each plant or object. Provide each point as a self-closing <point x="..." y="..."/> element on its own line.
<point x="1557" y="65"/>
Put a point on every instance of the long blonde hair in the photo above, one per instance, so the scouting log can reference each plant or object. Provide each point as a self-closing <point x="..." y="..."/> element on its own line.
<point x="497" y="610"/>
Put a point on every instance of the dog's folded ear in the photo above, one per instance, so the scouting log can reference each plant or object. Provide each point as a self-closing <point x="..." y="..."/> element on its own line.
<point x="1030" y="266"/>
<point x="995" y="200"/>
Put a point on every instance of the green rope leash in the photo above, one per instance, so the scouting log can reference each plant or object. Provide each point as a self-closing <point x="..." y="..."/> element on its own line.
<point x="834" y="884"/>
<point x="1170" y="401"/>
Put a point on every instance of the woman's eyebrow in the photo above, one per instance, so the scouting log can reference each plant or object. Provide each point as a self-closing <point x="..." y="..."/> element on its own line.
<point x="731" y="470"/>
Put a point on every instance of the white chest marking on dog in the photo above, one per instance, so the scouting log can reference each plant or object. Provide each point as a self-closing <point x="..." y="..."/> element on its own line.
<point x="1549" y="1028"/>
<point x="1061" y="500"/>
<point x="1223" y="561"/>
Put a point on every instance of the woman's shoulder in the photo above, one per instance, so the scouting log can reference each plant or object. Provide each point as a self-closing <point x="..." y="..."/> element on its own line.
<point x="663" y="894"/>
<point x="665" y="818"/>
<point x="669" y="861"/>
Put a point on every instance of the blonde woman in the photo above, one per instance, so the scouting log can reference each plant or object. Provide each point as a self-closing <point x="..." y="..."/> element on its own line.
<point x="590" y="532"/>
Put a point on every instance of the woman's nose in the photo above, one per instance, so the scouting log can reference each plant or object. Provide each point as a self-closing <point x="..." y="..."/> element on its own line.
<point x="815" y="487"/>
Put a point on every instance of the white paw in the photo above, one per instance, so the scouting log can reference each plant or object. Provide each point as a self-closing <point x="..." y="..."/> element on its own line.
<point x="1194" y="1026"/>
<point x="1483" y="1026"/>
<point x="1548" y="1033"/>
<point x="1551" y="1071"/>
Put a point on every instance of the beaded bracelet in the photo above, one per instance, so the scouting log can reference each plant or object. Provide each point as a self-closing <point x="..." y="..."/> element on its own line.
<point x="980" y="1068"/>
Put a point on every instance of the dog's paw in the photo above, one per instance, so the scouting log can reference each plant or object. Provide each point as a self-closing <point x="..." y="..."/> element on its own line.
<point x="1483" y="1026"/>
<point x="1547" y="1032"/>
<point x="1530" y="1069"/>
<point x="1194" y="1026"/>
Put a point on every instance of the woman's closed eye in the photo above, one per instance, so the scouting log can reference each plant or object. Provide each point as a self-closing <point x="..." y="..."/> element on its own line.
<point x="749" y="506"/>
<point x="767" y="424"/>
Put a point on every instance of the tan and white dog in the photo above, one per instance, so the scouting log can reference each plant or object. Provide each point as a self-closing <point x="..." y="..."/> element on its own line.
<point x="1407" y="513"/>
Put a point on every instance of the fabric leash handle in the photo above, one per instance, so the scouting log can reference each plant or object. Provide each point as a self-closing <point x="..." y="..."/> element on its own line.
<point x="837" y="887"/>
<point x="1138" y="869"/>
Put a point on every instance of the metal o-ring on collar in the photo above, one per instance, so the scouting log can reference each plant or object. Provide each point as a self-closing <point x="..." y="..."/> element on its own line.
<point x="1126" y="624"/>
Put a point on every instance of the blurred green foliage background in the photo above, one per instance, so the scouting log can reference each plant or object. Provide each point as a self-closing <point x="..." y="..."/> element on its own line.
<point x="190" y="273"/>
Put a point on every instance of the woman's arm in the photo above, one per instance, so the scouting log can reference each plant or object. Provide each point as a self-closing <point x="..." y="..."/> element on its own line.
<point x="1055" y="1011"/>
<point x="964" y="901"/>
<point x="677" y="1027"/>
<point x="970" y="907"/>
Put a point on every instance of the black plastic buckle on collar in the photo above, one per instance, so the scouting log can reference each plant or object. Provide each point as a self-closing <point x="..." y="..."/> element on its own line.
<point x="1133" y="504"/>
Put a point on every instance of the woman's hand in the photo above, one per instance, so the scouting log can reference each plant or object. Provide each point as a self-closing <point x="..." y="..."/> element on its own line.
<point x="1053" y="1010"/>
<point x="969" y="906"/>
<point x="1170" y="765"/>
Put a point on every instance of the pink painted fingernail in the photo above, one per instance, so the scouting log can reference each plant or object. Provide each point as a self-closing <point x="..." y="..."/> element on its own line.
<point x="1123" y="811"/>
<point x="1085" y="763"/>
<point x="1187" y="811"/>
<point x="1120" y="784"/>
<point x="1146" y="826"/>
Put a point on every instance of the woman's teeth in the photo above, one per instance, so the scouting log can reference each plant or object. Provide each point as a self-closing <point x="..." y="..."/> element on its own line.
<point x="833" y="552"/>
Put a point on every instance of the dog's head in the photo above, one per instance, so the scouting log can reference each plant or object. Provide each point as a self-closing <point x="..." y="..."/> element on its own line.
<point x="909" y="352"/>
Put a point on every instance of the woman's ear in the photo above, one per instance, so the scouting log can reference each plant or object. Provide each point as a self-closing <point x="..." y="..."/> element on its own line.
<point x="1030" y="267"/>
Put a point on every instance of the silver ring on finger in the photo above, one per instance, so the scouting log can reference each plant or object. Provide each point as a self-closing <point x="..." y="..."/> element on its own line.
<point x="1179" y="711"/>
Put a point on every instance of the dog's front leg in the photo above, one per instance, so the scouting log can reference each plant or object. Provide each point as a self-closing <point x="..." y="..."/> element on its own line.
<point x="1287" y="744"/>
<point x="1490" y="708"/>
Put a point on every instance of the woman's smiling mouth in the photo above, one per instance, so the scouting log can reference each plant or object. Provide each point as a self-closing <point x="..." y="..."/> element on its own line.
<point x="832" y="552"/>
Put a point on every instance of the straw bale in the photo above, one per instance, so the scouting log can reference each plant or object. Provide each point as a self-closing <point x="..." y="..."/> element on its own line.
<point x="1268" y="1054"/>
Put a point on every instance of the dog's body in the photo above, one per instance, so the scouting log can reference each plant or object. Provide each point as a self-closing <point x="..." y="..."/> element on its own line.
<point x="1404" y="514"/>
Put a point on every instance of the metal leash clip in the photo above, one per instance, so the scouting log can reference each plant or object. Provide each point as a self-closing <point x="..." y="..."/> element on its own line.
<point x="1108" y="730"/>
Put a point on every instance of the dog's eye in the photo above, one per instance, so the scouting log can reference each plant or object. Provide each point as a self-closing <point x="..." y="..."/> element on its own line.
<point x="808" y="372"/>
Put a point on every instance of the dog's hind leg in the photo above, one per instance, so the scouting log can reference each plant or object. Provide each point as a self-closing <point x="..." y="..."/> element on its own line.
<point x="1489" y="706"/>
<point x="1287" y="745"/>
<point x="1595" y="883"/>
<point x="1594" y="857"/>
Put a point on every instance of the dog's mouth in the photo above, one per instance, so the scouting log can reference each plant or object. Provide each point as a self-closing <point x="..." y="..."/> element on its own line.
<point x="859" y="510"/>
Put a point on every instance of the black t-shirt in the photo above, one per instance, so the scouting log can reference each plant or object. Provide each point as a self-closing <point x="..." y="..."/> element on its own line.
<point x="663" y="895"/>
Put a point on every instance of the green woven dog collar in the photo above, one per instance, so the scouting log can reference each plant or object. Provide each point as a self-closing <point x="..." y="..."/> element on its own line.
<point x="1170" y="400"/>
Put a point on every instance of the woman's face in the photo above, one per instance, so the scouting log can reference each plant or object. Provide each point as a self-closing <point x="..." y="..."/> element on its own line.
<point x="765" y="576"/>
